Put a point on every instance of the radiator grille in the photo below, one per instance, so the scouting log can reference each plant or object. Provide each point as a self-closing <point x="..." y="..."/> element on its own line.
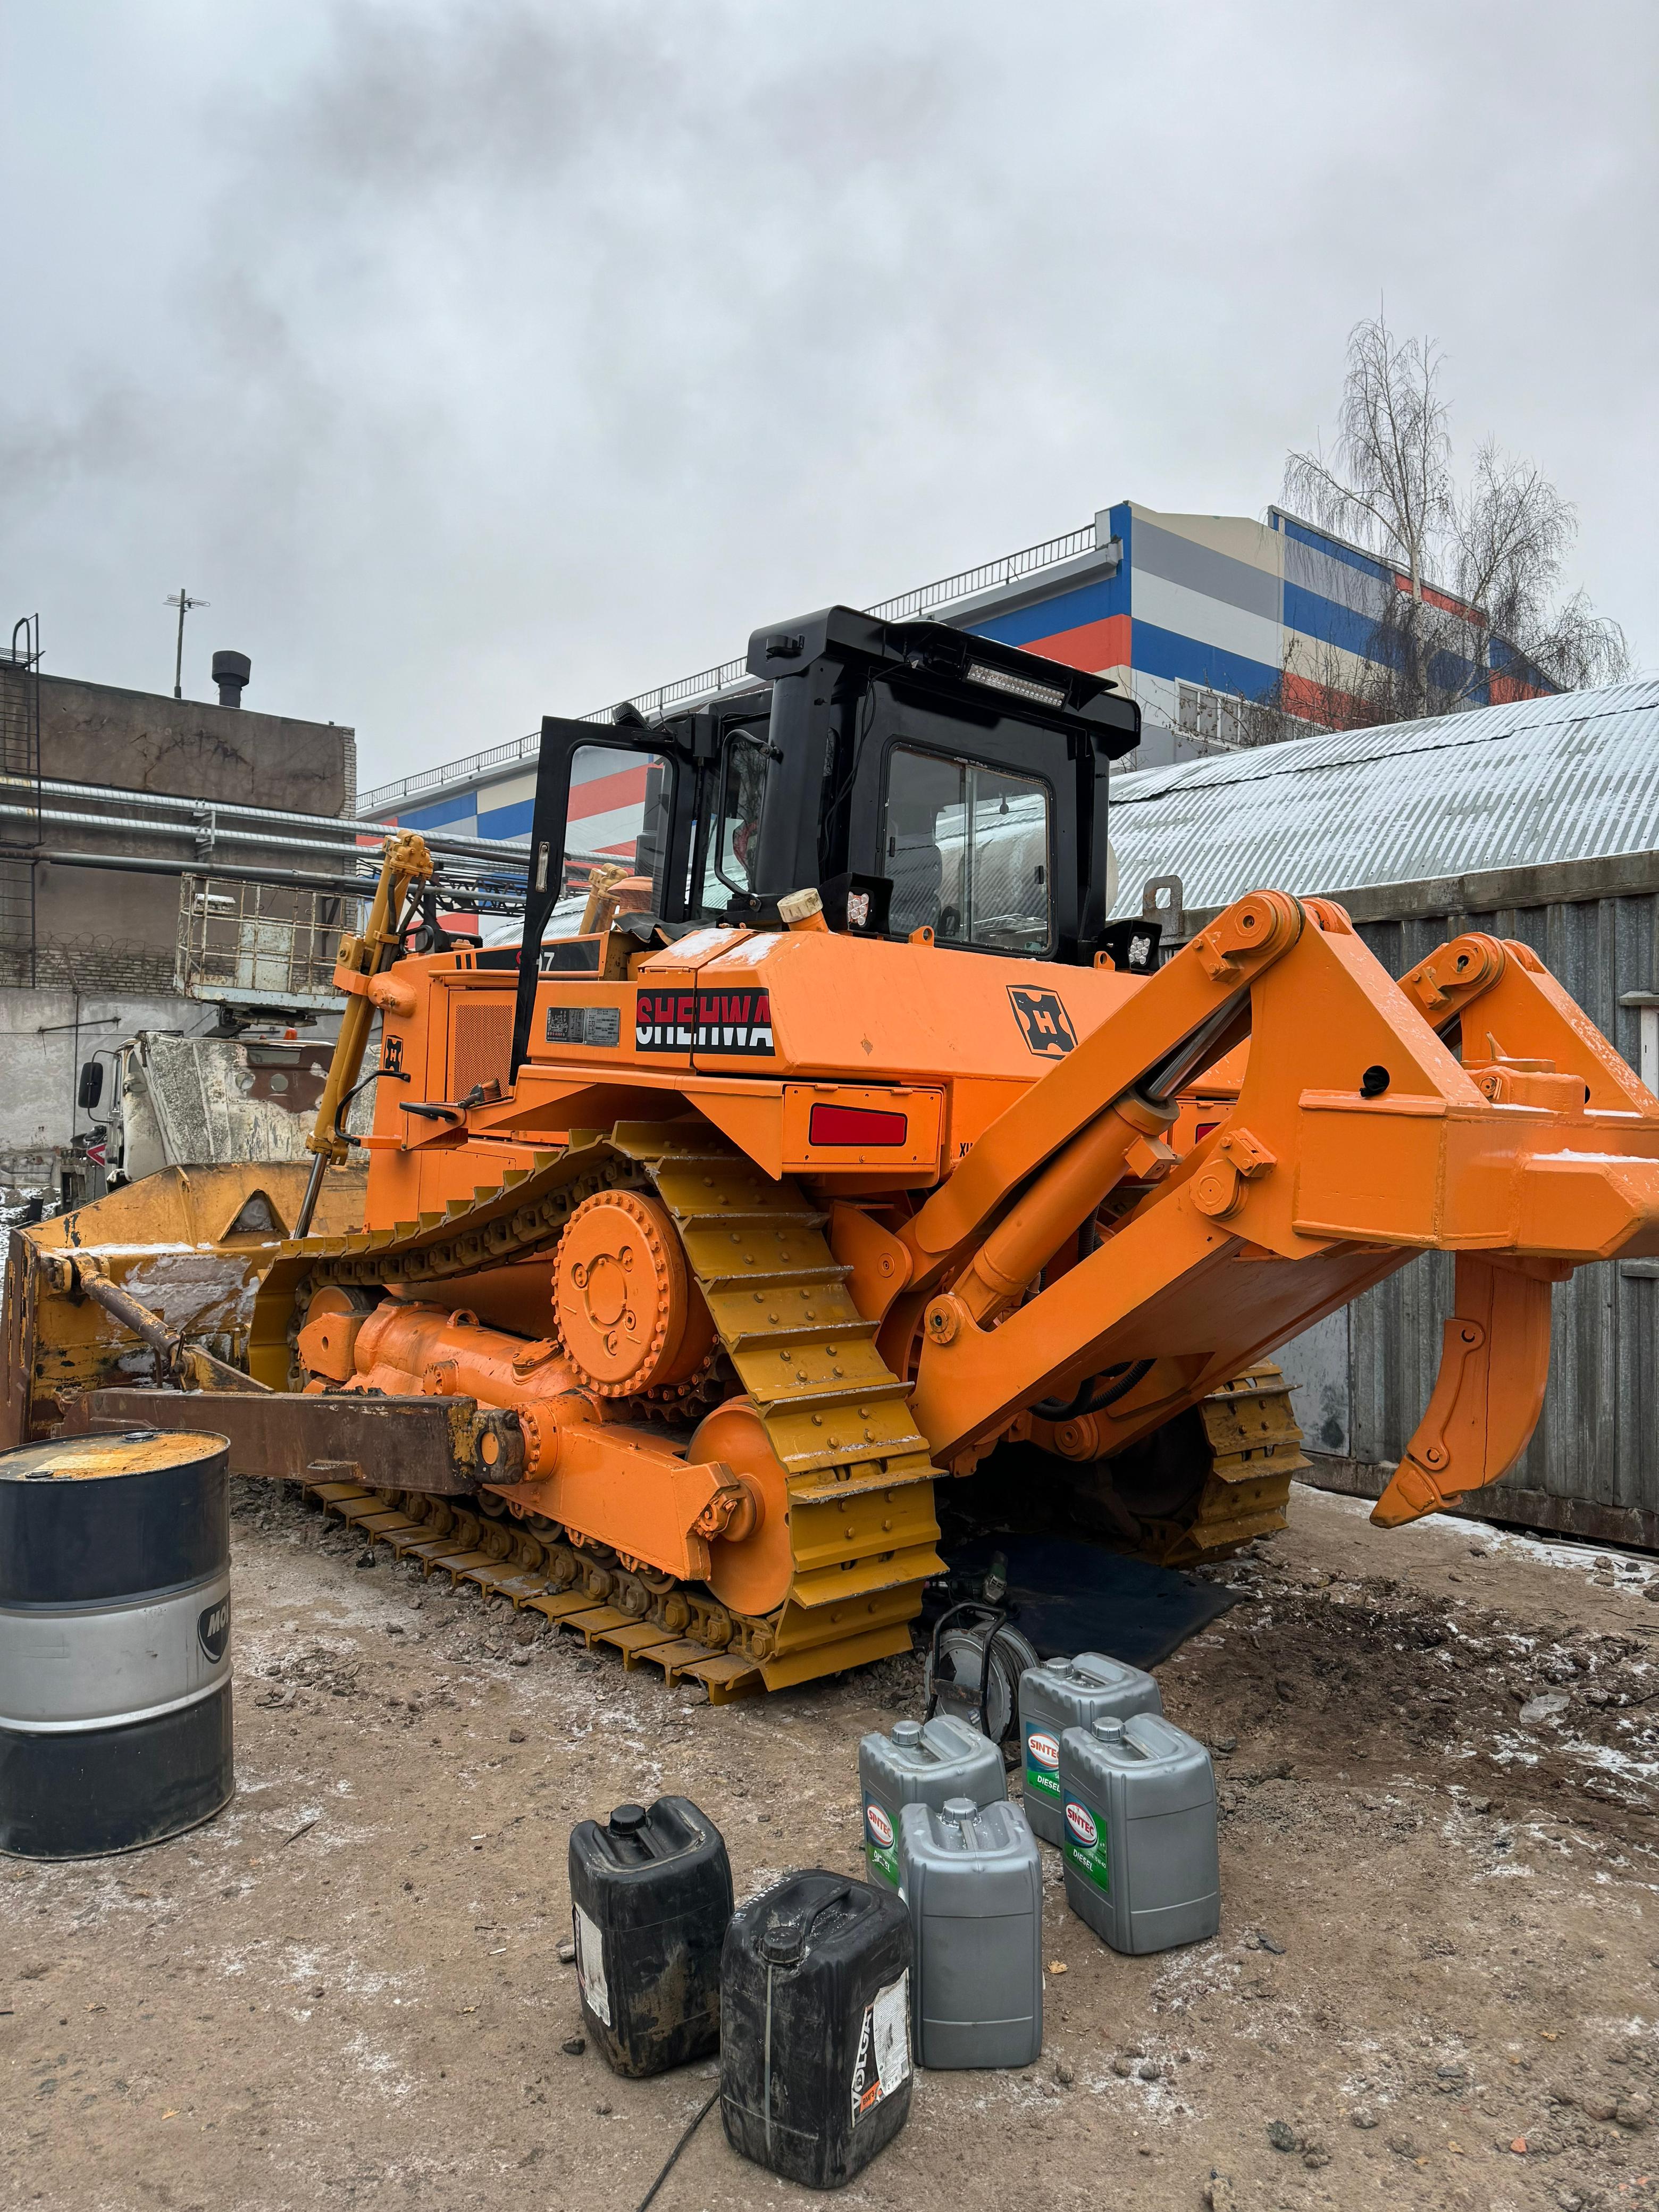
<point x="481" y="1042"/>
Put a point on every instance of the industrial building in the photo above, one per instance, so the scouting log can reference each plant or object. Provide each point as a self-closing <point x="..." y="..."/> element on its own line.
<point x="1215" y="624"/>
<point x="109" y="796"/>
<point x="176" y="868"/>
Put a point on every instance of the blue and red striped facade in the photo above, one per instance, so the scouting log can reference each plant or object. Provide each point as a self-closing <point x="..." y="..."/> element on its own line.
<point x="1172" y="606"/>
<point x="1256" y="611"/>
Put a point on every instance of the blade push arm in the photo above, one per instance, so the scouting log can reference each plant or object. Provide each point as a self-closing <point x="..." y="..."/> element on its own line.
<point x="1135" y="1061"/>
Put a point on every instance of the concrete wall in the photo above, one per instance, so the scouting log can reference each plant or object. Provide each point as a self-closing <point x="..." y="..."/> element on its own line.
<point x="96" y="734"/>
<point x="105" y="941"/>
<point x="103" y="931"/>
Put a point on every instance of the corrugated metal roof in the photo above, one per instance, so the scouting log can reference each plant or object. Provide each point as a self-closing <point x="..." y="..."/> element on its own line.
<point x="1574" y="777"/>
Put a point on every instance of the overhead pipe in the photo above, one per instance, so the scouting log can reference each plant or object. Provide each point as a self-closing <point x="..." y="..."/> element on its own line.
<point x="130" y="827"/>
<point x="204" y="864"/>
<point x="509" y="899"/>
<point x="167" y="802"/>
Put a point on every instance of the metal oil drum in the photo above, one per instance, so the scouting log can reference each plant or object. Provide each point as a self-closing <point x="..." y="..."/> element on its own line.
<point x="115" y="1718"/>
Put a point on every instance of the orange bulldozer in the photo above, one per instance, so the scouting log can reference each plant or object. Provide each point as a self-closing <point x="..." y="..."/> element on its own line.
<point x="823" y="1144"/>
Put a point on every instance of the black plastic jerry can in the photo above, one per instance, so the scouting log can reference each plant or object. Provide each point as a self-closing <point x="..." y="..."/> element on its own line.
<point x="651" y="1896"/>
<point x="815" y="2040"/>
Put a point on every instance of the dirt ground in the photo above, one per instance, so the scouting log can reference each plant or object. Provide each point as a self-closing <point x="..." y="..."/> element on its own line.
<point x="1432" y="1986"/>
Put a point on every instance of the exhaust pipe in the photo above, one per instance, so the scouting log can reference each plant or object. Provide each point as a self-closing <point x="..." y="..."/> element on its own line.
<point x="231" y="671"/>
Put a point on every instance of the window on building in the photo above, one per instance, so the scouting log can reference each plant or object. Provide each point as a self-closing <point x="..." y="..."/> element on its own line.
<point x="1216" y="716"/>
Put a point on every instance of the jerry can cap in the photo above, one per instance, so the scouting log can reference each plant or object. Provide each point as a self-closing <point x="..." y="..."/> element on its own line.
<point x="959" y="1809"/>
<point x="1110" y="1730"/>
<point x="907" y="1735"/>
<point x="627" y="1820"/>
<point x="782" y="1943"/>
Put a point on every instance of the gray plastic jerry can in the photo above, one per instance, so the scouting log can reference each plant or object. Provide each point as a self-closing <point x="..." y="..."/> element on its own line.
<point x="972" y="1877"/>
<point x="1064" y="1693"/>
<point x="920" y="1763"/>
<point x="1142" y="1861"/>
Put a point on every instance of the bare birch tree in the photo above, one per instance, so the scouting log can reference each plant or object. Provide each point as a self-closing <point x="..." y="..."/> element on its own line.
<point x="1495" y="545"/>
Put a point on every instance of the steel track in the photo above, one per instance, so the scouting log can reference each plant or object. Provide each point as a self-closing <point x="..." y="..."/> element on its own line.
<point x="860" y="1477"/>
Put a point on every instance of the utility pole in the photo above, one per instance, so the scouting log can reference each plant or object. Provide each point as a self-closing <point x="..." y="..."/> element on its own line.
<point x="184" y="602"/>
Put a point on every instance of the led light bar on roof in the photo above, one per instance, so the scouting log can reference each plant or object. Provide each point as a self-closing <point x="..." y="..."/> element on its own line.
<point x="1019" y="687"/>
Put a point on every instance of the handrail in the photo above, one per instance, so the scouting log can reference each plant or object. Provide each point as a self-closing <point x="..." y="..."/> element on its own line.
<point x="709" y="682"/>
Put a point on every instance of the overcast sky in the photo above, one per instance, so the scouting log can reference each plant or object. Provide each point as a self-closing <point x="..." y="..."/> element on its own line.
<point x="481" y="361"/>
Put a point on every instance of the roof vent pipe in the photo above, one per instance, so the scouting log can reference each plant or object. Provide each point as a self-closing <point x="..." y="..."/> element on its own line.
<point x="231" y="671"/>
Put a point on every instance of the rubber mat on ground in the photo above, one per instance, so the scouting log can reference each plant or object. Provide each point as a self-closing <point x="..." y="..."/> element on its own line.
<point x="1068" y="1597"/>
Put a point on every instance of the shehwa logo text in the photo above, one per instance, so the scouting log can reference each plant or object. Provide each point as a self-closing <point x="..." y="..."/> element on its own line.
<point x="703" y="1021"/>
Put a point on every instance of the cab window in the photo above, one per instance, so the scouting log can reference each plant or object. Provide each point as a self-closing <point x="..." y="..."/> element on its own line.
<point x="734" y="834"/>
<point x="967" y="849"/>
<point x="621" y="806"/>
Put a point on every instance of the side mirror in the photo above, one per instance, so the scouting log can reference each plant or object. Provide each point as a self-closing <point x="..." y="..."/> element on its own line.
<point x="92" y="1085"/>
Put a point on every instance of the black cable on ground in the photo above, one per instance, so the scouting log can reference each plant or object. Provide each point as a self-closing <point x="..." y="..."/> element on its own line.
<point x="691" y="2129"/>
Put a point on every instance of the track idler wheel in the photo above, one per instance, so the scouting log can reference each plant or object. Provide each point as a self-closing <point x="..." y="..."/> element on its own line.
<point x="752" y="1563"/>
<point x="629" y="1314"/>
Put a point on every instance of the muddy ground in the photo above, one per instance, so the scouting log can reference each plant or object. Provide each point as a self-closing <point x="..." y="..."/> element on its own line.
<point x="1433" y="1985"/>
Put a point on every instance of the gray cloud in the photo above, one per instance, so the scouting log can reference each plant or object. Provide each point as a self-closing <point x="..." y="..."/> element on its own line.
<point x="480" y="360"/>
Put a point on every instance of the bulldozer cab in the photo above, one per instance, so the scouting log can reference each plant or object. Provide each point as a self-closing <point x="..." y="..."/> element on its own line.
<point x="915" y="776"/>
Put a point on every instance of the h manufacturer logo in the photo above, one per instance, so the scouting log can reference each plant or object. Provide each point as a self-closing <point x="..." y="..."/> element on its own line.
<point x="1044" y="1023"/>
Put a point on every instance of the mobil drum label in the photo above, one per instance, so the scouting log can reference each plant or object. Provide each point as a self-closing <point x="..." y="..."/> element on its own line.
<point x="212" y="1629"/>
